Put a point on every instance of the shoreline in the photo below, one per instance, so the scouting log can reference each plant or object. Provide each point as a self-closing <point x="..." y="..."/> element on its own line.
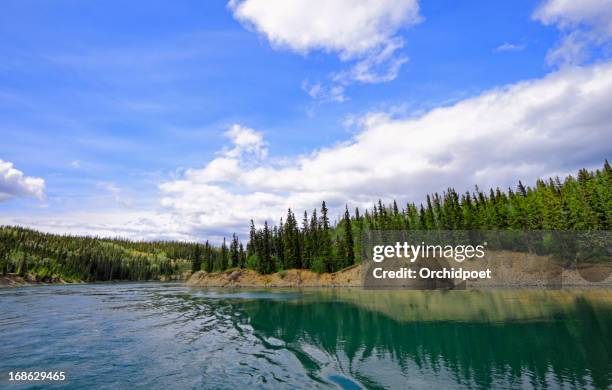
<point x="352" y="278"/>
<point x="4" y="284"/>
<point x="14" y="281"/>
<point x="8" y="281"/>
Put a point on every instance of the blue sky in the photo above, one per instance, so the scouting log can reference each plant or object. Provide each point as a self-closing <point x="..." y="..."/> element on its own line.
<point x="122" y="110"/>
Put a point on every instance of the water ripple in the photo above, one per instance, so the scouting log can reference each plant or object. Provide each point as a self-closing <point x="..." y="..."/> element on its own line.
<point x="165" y="335"/>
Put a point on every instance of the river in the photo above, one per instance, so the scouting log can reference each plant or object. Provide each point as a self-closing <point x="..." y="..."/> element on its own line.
<point x="168" y="336"/>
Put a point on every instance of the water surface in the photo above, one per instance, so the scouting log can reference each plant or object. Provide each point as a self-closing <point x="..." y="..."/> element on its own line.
<point x="155" y="335"/>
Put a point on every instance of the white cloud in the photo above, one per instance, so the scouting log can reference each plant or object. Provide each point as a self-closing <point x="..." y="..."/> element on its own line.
<point x="324" y="93"/>
<point x="14" y="184"/>
<point x="365" y="32"/>
<point x="132" y="224"/>
<point x="523" y="131"/>
<point x="572" y="50"/>
<point x="586" y="23"/>
<point x="380" y="67"/>
<point x="507" y="46"/>
<point x="527" y="130"/>
<point x="350" y="28"/>
<point x="572" y="14"/>
<point x="245" y="141"/>
<point x="76" y="164"/>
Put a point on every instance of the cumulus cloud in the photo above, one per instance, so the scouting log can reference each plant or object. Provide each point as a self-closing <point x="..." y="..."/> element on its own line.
<point x="14" y="184"/>
<point x="351" y="28"/>
<point x="245" y="141"/>
<point x="364" y="32"/>
<point x="586" y="23"/>
<point x="522" y="131"/>
<point x="537" y="128"/>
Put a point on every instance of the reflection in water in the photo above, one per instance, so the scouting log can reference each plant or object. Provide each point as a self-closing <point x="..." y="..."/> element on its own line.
<point x="155" y="336"/>
<point x="570" y="343"/>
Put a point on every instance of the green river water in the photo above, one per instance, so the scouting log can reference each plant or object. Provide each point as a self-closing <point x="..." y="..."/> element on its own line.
<point x="167" y="336"/>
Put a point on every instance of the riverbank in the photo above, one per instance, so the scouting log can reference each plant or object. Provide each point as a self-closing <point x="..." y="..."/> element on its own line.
<point x="13" y="280"/>
<point x="237" y="278"/>
<point x="17" y="281"/>
<point x="510" y="269"/>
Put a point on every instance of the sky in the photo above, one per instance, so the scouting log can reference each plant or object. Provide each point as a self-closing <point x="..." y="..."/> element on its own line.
<point x="184" y="120"/>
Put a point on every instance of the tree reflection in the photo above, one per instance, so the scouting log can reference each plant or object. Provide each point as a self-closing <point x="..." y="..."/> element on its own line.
<point x="567" y="341"/>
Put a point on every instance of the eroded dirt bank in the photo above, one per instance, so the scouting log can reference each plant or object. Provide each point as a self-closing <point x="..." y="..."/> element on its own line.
<point x="350" y="277"/>
<point x="510" y="269"/>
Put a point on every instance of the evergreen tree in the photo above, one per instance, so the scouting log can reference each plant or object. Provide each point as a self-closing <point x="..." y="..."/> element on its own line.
<point x="250" y="244"/>
<point x="234" y="253"/>
<point x="325" y="243"/>
<point x="242" y="256"/>
<point x="23" y="266"/>
<point x="197" y="259"/>
<point x="266" y="264"/>
<point x="209" y="257"/>
<point x="306" y="240"/>
<point x="224" y="256"/>
<point x="291" y="242"/>
<point x="349" y="244"/>
<point x="314" y="234"/>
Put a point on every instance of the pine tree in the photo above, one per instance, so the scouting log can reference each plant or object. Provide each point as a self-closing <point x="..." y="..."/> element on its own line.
<point x="314" y="236"/>
<point x="23" y="266"/>
<point x="224" y="256"/>
<point x="209" y="257"/>
<point x="291" y="242"/>
<point x="250" y="244"/>
<point x="266" y="264"/>
<point x="349" y="244"/>
<point x="234" y="253"/>
<point x="197" y="259"/>
<point x="242" y="256"/>
<point x="306" y="241"/>
<point x="325" y="248"/>
<point x="521" y="189"/>
<point x="278" y="245"/>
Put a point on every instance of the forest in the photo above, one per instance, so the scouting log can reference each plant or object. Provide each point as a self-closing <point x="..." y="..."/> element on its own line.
<point x="581" y="203"/>
<point x="48" y="257"/>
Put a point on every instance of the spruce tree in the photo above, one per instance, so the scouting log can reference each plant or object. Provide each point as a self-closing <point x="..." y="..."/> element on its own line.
<point x="224" y="256"/>
<point x="521" y="189"/>
<point x="234" y="254"/>
<point x="242" y="256"/>
<point x="251" y="243"/>
<point x="291" y="242"/>
<point x="306" y="241"/>
<point x="266" y="264"/>
<point x="313" y="232"/>
<point x="349" y="243"/>
<point x="278" y="245"/>
<point x="325" y="248"/>
<point x="209" y="257"/>
<point x="197" y="259"/>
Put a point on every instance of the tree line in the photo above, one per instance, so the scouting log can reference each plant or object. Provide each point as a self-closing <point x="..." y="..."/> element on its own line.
<point x="47" y="257"/>
<point x="581" y="203"/>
